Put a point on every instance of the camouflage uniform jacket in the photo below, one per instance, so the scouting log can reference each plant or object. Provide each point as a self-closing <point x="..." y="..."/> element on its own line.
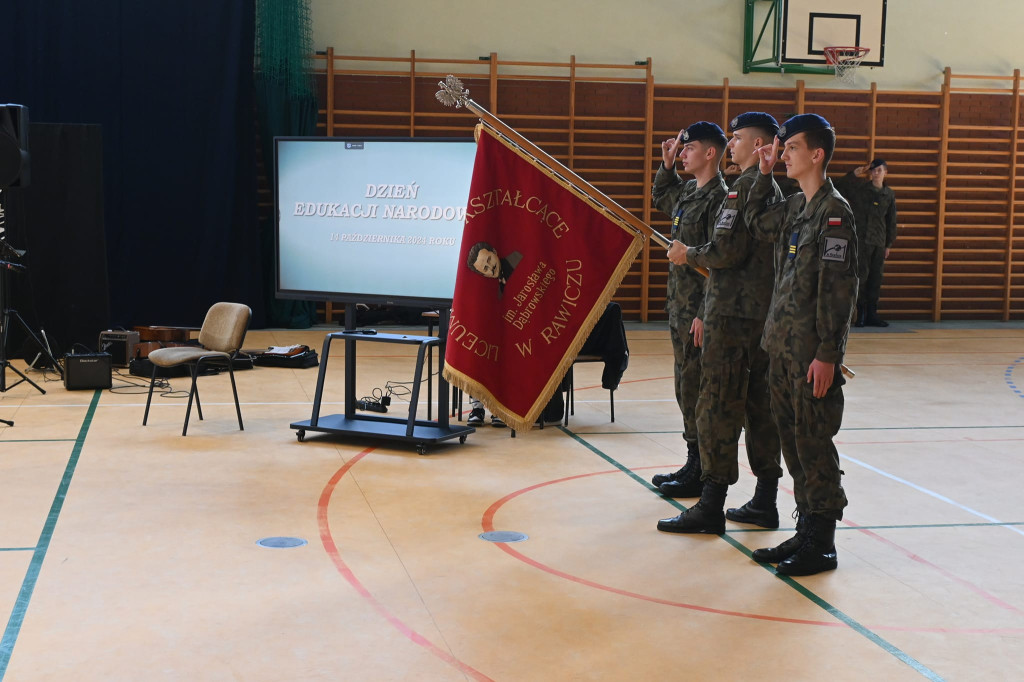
<point x="693" y="210"/>
<point x="815" y="271"/>
<point x="741" y="267"/>
<point x="874" y="210"/>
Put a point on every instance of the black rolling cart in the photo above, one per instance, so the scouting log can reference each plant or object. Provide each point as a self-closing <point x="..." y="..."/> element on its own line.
<point x="422" y="433"/>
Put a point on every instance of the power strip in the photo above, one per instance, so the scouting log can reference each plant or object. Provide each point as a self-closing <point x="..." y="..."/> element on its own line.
<point x="370" y="406"/>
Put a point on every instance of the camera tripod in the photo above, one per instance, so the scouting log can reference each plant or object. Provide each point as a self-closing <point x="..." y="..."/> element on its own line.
<point x="10" y="315"/>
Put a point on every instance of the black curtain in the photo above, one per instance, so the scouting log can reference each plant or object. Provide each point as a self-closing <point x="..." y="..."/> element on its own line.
<point x="171" y="85"/>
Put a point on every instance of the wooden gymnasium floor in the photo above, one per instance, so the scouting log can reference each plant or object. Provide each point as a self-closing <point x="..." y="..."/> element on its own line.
<point x="129" y="552"/>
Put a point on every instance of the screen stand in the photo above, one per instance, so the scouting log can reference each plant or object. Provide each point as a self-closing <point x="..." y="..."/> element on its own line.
<point x="422" y="433"/>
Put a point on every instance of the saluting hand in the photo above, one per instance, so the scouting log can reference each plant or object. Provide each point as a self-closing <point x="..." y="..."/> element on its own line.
<point x="767" y="156"/>
<point x="670" y="150"/>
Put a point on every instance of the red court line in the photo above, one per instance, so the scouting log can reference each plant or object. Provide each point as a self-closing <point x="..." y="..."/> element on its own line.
<point x="332" y="551"/>
<point x="487" y="522"/>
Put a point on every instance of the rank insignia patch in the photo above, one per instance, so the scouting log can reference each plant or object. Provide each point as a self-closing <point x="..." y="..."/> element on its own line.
<point x="835" y="249"/>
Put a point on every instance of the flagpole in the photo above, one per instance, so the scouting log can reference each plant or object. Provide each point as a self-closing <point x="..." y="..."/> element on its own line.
<point x="453" y="94"/>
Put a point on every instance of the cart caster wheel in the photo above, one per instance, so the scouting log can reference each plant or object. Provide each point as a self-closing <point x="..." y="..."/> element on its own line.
<point x="462" y="438"/>
<point x="421" y="449"/>
<point x="301" y="435"/>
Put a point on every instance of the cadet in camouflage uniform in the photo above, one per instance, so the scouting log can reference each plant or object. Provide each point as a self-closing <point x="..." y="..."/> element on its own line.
<point x="806" y="331"/>
<point x="734" y="367"/>
<point x="874" y="209"/>
<point x="692" y="206"/>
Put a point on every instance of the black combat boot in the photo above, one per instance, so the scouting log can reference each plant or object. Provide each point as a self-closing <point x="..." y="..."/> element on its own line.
<point x="761" y="510"/>
<point x="817" y="554"/>
<point x="872" y="319"/>
<point x="704" y="517"/>
<point x="861" y="314"/>
<point x="692" y="455"/>
<point x="688" y="485"/>
<point x="773" y="555"/>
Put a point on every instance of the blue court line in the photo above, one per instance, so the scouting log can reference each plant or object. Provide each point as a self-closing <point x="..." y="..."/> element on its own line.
<point x="32" y="575"/>
<point x="17" y="549"/>
<point x="916" y="665"/>
<point x="1009" y="378"/>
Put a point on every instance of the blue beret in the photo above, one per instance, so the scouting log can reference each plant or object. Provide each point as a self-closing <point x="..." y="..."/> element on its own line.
<point x="702" y="130"/>
<point x="757" y="119"/>
<point x="801" y="123"/>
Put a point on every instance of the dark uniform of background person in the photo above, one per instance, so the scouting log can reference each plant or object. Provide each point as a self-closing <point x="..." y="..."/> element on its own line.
<point x="693" y="209"/>
<point x="874" y="208"/>
<point x="806" y="332"/>
<point x="734" y="367"/>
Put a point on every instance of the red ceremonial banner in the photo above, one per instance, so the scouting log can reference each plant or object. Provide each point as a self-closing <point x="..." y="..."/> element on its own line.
<point x="538" y="266"/>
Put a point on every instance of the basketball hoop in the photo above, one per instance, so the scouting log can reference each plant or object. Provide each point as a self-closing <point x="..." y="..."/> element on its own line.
<point x="845" y="60"/>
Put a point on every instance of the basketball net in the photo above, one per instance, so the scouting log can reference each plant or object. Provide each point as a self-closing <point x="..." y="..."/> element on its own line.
<point x="845" y="60"/>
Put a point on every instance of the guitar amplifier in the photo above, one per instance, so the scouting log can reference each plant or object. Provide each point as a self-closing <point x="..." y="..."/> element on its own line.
<point x="87" y="370"/>
<point x="120" y="345"/>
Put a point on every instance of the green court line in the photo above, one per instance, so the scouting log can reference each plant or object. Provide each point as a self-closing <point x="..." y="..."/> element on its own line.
<point x="909" y="526"/>
<point x="858" y="428"/>
<point x="916" y="665"/>
<point x="32" y="575"/>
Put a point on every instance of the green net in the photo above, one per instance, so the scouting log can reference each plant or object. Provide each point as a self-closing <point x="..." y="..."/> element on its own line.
<point x="286" y="106"/>
<point x="284" y="45"/>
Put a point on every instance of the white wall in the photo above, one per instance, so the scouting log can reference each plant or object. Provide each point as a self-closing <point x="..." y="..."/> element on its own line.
<point x="690" y="41"/>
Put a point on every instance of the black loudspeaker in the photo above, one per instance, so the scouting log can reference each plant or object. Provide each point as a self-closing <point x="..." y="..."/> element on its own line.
<point x="87" y="371"/>
<point x="14" y="156"/>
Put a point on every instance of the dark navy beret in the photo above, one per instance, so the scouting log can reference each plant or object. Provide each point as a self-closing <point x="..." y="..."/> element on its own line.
<point x="702" y="130"/>
<point x="757" y="119"/>
<point x="876" y="163"/>
<point x="801" y="123"/>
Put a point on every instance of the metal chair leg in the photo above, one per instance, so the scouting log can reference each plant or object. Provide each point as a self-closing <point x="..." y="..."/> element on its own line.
<point x="234" y="392"/>
<point x="191" y="394"/>
<point x="149" y="398"/>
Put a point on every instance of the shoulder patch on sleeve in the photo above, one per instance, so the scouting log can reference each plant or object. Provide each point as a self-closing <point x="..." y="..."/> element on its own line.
<point x="726" y="219"/>
<point x="835" y="248"/>
<point x="835" y="222"/>
<point x="732" y="195"/>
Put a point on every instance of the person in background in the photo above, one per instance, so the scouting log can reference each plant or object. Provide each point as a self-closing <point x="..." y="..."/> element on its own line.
<point x="874" y="210"/>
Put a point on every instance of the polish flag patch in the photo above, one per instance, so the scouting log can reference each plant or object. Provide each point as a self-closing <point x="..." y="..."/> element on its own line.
<point x="732" y="195"/>
<point x="835" y="222"/>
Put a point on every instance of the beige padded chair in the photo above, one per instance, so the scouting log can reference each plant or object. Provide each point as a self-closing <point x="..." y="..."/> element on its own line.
<point x="220" y="339"/>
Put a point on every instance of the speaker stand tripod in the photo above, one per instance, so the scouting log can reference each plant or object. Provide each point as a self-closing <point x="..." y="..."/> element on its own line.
<point x="9" y="315"/>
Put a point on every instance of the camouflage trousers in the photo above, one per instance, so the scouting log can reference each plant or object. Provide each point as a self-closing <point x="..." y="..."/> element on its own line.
<point x="733" y="395"/>
<point x="687" y="377"/>
<point x="872" y="264"/>
<point x="806" y="428"/>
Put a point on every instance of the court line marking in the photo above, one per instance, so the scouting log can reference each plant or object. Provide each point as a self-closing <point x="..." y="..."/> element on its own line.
<point x="39" y="552"/>
<point x="327" y="539"/>
<point x="931" y="493"/>
<point x="873" y="637"/>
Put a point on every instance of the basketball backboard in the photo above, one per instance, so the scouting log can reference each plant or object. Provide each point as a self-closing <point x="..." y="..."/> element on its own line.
<point x="809" y="26"/>
<point x="800" y="30"/>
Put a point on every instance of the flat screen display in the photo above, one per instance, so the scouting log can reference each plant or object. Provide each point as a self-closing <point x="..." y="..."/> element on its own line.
<point x="374" y="220"/>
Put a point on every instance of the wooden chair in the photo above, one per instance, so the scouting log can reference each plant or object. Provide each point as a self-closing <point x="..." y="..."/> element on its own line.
<point x="220" y="340"/>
